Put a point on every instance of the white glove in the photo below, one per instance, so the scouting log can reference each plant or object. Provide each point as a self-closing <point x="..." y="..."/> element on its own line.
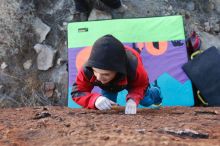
<point x="103" y="103"/>
<point x="131" y="107"/>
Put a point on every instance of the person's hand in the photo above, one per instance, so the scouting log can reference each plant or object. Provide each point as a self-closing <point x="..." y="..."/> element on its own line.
<point x="103" y="103"/>
<point x="131" y="107"/>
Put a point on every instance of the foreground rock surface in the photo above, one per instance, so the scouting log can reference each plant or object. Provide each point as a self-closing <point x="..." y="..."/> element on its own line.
<point x="56" y="126"/>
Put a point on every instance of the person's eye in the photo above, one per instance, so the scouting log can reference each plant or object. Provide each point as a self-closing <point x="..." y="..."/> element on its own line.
<point x="106" y="75"/>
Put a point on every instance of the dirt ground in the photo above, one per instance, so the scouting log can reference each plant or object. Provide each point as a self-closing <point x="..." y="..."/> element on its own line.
<point x="61" y="126"/>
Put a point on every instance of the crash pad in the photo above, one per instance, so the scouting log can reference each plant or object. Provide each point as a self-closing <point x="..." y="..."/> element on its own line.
<point x="160" y="41"/>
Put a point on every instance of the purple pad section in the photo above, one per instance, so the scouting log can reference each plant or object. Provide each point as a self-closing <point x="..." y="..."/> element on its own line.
<point x="72" y="53"/>
<point x="169" y="62"/>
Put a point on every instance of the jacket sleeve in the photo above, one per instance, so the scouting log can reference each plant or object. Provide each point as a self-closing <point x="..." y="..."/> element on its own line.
<point x="138" y="86"/>
<point x="81" y="91"/>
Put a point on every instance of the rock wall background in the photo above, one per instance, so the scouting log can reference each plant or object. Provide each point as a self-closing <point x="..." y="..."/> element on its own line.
<point x="33" y="50"/>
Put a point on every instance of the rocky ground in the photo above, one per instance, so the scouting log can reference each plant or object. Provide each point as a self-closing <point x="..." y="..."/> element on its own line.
<point x="56" y="126"/>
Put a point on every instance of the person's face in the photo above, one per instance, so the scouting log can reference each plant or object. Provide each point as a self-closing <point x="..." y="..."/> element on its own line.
<point x="104" y="76"/>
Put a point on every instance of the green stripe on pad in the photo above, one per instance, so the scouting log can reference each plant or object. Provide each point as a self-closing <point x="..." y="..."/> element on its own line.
<point x="156" y="29"/>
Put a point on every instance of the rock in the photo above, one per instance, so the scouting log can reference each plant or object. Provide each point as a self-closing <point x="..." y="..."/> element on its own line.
<point x="170" y="8"/>
<point x="99" y="15"/>
<point x="27" y="64"/>
<point x="205" y="5"/>
<point x="117" y="130"/>
<point x="60" y="76"/>
<point x="105" y="138"/>
<point x="49" y="86"/>
<point x="78" y="17"/>
<point x="41" y="115"/>
<point x="190" y="6"/>
<point x="14" y="51"/>
<point x="60" y="61"/>
<point x="41" y="29"/>
<point x="67" y="124"/>
<point x="58" y="93"/>
<point x="209" y="40"/>
<point x="206" y="112"/>
<point x="45" y="56"/>
<point x="121" y="9"/>
<point x="212" y="6"/>
<point x="48" y="89"/>
<point x="49" y="93"/>
<point x="141" y="131"/>
<point x="8" y="21"/>
<point x="207" y="26"/>
<point x="2" y="90"/>
<point x="7" y="101"/>
<point x="216" y="28"/>
<point x="3" y="65"/>
<point x="217" y="6"/>
<point x="185" y="133"/>
<point x="72" y="127"/>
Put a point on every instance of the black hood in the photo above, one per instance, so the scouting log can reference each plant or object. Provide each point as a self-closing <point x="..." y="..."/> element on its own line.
<point x="108" y="53"/>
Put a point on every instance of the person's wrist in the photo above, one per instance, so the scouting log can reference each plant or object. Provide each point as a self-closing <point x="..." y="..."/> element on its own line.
<point x="132" y="100"/>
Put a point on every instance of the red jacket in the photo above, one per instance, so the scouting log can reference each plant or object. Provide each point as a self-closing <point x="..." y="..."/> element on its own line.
<point x="136" y="82"/>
